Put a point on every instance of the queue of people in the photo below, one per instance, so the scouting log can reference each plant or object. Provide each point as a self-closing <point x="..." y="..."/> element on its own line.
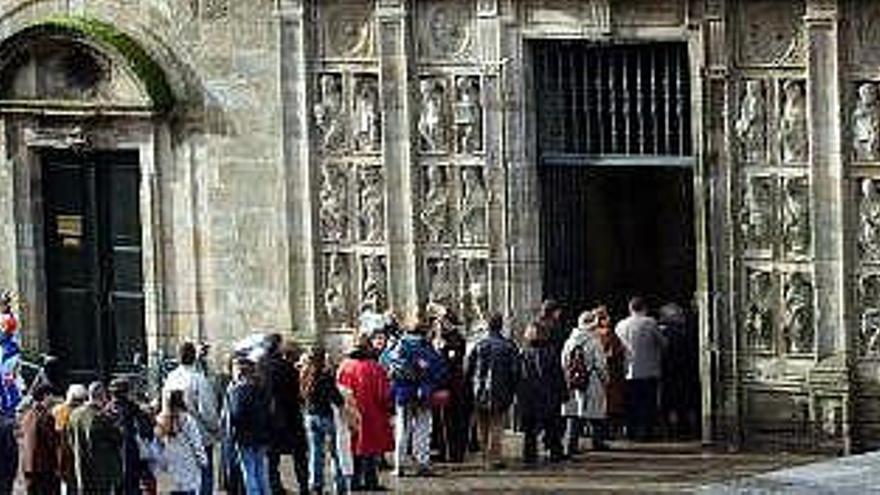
<point x="418" y="391"/>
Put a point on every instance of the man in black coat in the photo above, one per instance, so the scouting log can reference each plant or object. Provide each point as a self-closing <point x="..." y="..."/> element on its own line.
<point x="541" y="393"/>
<point x="288" y="431"/>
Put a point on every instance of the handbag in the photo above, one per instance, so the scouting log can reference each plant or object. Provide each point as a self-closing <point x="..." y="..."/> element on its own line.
<point x="440" y="398"/>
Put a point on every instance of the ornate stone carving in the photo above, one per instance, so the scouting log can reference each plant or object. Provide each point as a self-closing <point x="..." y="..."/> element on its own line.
<point x="796" y="216"/>
<point x="793" y="122"/>
<point x="595" y="13"/>
<point x="366" y="125"/>
<point x="334" y="203"/>
<point x="468" y="116"/>
<point x="757" y="214"/>
<point x="646" y="12"/>
<point x="372" y="205"/>
<point x="759" y="309"/>
<point x="447" y="28"/>
<point x="432" y="115"/>
<point x="442" y="282"/>
<point x="865" y="32"/>
<point x="869" y="326"/>
<point x="869" y="221"/>
<point x="336" y="297"/>
<point x="831" y="412"/>
<point x="435" y="212"/>
<point x="772" y="31"/>
<point x="214" y="10"/>
<point x="866" y="124"/>
<point x="798" y="317"/>
<point x="474" y="206"/>
<point x="328" y="112"/>
<point x="751" y="124"/>
<point x="348" y="29"/>
<point x="477" y="287"/>
<point x="374" y="288"/>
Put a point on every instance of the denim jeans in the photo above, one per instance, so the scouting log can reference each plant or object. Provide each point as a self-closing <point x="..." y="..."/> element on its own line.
<point x="321" y="430"/>
<point x="254" y="470"/>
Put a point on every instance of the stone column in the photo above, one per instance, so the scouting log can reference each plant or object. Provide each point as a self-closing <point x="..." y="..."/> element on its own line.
<point x="301" y="180"/>
<point x="394" y="74"/>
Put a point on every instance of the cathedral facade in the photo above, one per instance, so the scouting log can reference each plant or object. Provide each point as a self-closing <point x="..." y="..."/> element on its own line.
<point x="207" y="168"/>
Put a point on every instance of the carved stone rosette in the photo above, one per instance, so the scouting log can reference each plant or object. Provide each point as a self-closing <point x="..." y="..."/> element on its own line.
<point x="759" y="318"/>
<point x="445" y="28"/>
<point x="751" y="123"/>
<point x="347" y="29"/>
<point x="796" y="216"/>
<point x="797" y="323"/>
<point x="773" y="32"/>
<point x="869" y="321"/>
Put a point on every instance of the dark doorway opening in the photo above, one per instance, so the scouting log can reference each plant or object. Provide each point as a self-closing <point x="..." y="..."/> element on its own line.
<point x="610" y="233"/>
<point x="95" y="299"/>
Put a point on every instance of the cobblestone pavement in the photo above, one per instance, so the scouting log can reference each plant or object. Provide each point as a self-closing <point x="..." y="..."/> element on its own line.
<point x="627" y="468"/>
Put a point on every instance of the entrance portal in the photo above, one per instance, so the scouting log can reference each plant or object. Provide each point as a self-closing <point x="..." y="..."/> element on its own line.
<point x="93" y="260"/>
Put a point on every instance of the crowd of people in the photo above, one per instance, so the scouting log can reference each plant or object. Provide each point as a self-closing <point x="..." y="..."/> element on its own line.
<point x="417" y="390"/>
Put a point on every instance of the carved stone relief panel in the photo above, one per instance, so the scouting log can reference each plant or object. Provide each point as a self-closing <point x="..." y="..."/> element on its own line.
<point x="793" y="122"/>
<point x="830" y="414"/>
<point x="476" y="283"/>
<point x="647" y="13"/>
<point x="366" y="122"/>
<point x="866" y="123"/>
<point x="772" y="32"/>
<point x="474" y="206"/>
<point x="437" y="205"/>
<point x="759" y="315"/>
<point x="751" y="122"/>
<point x="443" y="279"/>
<point x="347" y="29"/>
<point x="374" y="282"/>
<point x="337" y="294"/>
<point x="757" y="217"/>
<point x="869" y="324"/>
<point x="334" y="208"/>
<point x="864" y="32"/>
<point x="869" y="221"/>
<point x="468" y="115"/>
<point x="797" y="324"/>
<point x="445" y="29"/>
<point x="594" y="13"/>
<point x="433" y="116"/>
<point x="329" y="113"/>
<point x="371" y="205"/>
<point x="796" y="216"/>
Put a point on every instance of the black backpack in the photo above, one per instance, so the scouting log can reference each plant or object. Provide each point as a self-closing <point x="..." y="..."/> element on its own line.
<point x="576" y="373"/>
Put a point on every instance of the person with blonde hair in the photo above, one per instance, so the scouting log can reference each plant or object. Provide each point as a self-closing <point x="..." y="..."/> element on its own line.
<point x="183" y="447"/>
<point x="583" y="361"/>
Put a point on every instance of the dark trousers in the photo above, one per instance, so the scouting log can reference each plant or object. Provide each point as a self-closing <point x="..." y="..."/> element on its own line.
<point x="599" y="432"/>
<point x="300" y="468"/>
<point x="641" y="408"/>
<point x="450" y="432"/>
<point x="42" y="484"/>
<point x="366" y="472"/>
<point x="551" y="427"/>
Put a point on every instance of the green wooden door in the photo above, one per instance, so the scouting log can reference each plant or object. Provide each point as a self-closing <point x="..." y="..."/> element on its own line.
<point x="93" y="260"/>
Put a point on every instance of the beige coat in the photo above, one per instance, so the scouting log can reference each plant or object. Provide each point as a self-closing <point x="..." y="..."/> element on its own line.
<point x="589" y="403"/>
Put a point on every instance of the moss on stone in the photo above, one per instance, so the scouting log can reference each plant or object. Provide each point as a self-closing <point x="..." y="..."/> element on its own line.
<point x="139" y="61"/>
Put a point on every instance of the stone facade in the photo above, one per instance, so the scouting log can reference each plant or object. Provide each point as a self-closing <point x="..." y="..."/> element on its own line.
<point x="325" y="155"/>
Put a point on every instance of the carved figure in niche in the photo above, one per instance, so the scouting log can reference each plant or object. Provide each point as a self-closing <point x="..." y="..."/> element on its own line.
<point x="468" y="115"/>
<point x="757" y="215"/>
<point x="759" y="314"/>
<point x="798" y="320"/>
<point x="831" y="418"/>
<point x="794" y="122"/>
<point x="431" y="119"/>
<point x="751" y="122"/>
<point x="796" y="216"/>
<point x="435" y="214"/>
<point x="474" y="206"/>
<point x="333" y="210"/>
<point x="442" y="283"/>
<point x="869" y="221"/>
<point x="328" y="112"/>
<point x="372" y="206"/>
<point x="866" y="124"/>
<point x="366" y="114"/>
<point x="335" y="290"/>
<point x="869" y="300"/>
<point x="374" y="290"/>
<point x="476" y="271"/>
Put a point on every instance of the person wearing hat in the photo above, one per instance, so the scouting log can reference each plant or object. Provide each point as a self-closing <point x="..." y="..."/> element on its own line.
<point x="135" y="424"/>
<point x="248" y="425"/>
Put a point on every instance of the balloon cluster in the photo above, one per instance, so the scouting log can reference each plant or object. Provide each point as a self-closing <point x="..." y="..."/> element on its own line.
<point x="10" y="358"/>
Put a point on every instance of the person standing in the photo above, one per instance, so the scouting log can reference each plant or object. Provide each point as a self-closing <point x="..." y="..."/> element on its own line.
<point x="201" y="402"/>
<point x="96" y="444"/>
<point x="75" y="397"/>
<point x="644" y="345"/>
<point x="183" y="450"/>
<point x="39" y="453"/>
<point x="450" y="433"/>
<point x="492" y="373"/>
<point x="360" y="373"/>
<point x="416" y="371"/>
<point x="585" y="368"/>
<point x="135" y="426"/>
<point x="541" y="394"/>
<point x="248" y="426"/>
<point x="8" y="453"/>
<point x="615" y="364"/>
<point x="288" y="430"/>
<point x="320" y="394"/>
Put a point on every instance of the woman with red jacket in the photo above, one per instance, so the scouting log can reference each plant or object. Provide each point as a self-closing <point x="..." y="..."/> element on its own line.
<point x="368" y="381"/>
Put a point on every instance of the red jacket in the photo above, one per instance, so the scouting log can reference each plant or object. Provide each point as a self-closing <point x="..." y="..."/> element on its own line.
<point x="369" y="383"/>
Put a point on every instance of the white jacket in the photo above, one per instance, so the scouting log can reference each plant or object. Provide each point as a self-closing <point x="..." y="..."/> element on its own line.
<point x="199" y="398"/>
<point x="184" y="456"/>
<point x="644" y="346"/>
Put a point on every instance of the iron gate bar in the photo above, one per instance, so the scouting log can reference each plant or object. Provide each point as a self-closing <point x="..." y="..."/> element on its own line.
<point x="578" y="160"/>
